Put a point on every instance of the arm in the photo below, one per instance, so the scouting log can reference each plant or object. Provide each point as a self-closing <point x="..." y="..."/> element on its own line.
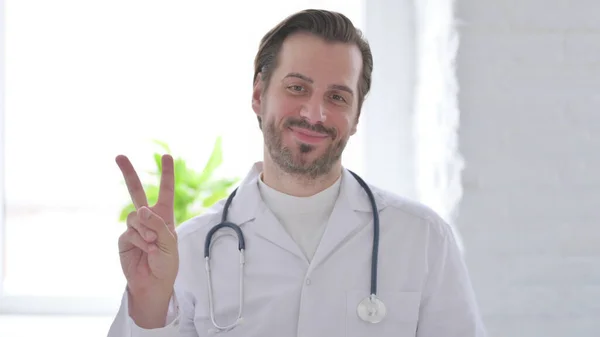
<point x="449" y="306"/>
<point x="179" y="321"/>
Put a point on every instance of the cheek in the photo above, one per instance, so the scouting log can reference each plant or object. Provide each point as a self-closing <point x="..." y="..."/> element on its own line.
<point x="280" y="109"/>
<point x="343" y="121"/>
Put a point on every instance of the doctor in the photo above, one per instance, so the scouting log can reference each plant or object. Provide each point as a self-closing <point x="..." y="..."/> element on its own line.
<point x="306" y="262"/>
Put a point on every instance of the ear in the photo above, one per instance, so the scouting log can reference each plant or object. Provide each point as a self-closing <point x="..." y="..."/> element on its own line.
<point x="257" y="94"/>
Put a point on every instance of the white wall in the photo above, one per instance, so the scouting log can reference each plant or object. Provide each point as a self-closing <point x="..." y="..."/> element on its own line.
<point x="388" y="112"/>
<point x="529" y="74"/>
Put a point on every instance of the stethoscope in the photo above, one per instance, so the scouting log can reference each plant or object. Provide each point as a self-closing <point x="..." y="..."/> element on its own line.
<point x="371" y="309"/>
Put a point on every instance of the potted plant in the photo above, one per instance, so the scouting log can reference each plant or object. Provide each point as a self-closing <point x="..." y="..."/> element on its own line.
<point x="195" y="191"/>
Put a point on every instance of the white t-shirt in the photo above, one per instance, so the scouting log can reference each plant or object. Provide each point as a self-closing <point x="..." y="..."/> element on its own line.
<point x="304" y="218"/>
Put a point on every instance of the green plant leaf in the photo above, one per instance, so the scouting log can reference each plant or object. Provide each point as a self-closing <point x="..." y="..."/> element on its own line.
<point x="221" y="184"/>
<point x="194" y="191"/>
<point x="214" y="197"/>
<point x="158" y="156"/>
<point x="151" y="193"/>
<point x="125" y="212"/>
<point x="162" y="145"/>
<point x="181" y="171"/>
<point x="158" y="162"/>
<point x="215" y="160"/>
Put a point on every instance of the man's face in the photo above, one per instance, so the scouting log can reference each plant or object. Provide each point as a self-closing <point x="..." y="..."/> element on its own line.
<point x="309" y="110"/>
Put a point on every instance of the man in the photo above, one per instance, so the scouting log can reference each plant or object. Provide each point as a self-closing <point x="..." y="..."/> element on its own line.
<point x="306" y="221"/>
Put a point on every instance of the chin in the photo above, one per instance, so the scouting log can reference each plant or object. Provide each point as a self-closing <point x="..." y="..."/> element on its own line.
<point x="307" y="151"/>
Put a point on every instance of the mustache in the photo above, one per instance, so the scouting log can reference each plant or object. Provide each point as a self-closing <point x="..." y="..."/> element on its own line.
<point x="304" y="124"/>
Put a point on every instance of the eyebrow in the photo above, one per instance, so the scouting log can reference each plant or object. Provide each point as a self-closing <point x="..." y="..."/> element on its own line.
<point x="340" y="87"/>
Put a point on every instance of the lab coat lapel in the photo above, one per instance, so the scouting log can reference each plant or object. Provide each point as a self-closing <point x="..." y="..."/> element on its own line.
<point x="267" y="226"/>
<point x="345" y="220"/>
<point x="257" y="218"/>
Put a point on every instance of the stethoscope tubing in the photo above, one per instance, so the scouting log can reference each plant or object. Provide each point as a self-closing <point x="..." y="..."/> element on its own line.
<point x="242" y="247"/>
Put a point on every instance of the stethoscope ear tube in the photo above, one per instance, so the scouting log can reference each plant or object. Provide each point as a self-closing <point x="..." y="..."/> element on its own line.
<point x="227" y="224"/>
<point x="375" y="250"/>
<point x="241" y="247"/>
<point x="371" y="309"/>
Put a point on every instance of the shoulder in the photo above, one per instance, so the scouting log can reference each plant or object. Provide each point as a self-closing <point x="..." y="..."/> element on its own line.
<point x="412" y="213"/>
<point x="420" y="224"/>
<point x="200" y="224"/>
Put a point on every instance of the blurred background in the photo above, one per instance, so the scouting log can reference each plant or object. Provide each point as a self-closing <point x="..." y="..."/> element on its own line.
<point x="485" y="110"/>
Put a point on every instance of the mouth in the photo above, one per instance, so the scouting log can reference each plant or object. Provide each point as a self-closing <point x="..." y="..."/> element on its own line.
<point x="308" y="136"/>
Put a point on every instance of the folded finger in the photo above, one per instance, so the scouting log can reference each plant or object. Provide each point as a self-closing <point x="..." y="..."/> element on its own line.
<point x="132" y="238"/>
<point x="155" y="223"/>
<point x="133" y="221"/>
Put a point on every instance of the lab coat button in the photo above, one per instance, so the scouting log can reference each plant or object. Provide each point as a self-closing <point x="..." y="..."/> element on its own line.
<point x="307" y="281"/>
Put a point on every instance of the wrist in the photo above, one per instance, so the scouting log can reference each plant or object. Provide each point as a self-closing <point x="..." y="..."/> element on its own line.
<point x="148" y="309"/>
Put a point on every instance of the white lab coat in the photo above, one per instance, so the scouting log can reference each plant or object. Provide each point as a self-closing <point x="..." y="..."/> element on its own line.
<point x="422" y="278"/>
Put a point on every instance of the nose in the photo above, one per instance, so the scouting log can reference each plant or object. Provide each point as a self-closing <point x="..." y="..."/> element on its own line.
<point x="314" y="111"/>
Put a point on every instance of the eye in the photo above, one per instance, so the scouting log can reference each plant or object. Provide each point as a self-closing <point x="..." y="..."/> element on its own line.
<point x="338" y="98"/>
<point x="296" y="88"/>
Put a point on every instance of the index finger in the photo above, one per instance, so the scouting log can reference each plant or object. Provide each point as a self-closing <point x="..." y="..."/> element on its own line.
<point x="166" y="192"/>
<point x="134" y="185"/>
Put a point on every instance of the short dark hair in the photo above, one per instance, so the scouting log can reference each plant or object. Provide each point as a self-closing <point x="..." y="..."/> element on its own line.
<point x="331" y="26"/>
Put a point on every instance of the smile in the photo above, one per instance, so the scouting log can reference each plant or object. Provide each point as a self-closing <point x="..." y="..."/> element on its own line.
<point x="308" y="136"/>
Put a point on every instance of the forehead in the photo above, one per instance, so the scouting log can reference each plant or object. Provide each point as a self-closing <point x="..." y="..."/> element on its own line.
<point x="323" y="61"/>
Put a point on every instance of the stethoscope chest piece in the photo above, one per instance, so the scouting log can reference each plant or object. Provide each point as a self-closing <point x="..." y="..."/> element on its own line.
<point x="371" y="310"/>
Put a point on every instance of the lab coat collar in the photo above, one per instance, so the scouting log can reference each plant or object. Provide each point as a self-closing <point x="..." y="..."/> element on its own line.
<point x="251" y="208"/>
<point x="350" y="189"/>
<point x="249" y="201"/>
<point x="344" y="223"/>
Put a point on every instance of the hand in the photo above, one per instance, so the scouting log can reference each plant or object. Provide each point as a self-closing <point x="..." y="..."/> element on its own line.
<point x="148" y="248"/>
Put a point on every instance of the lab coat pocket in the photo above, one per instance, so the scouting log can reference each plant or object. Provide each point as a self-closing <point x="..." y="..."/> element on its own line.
<point x="400" y="320"/>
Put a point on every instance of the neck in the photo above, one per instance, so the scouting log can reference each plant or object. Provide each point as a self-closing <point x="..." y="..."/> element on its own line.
<point x="295" y="185"/>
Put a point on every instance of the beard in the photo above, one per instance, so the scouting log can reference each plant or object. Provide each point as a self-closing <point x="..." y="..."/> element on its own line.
<point x="294" y="159"/>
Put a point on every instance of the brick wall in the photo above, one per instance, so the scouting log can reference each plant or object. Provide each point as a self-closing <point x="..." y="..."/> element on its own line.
<point x="529" y="75"/>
